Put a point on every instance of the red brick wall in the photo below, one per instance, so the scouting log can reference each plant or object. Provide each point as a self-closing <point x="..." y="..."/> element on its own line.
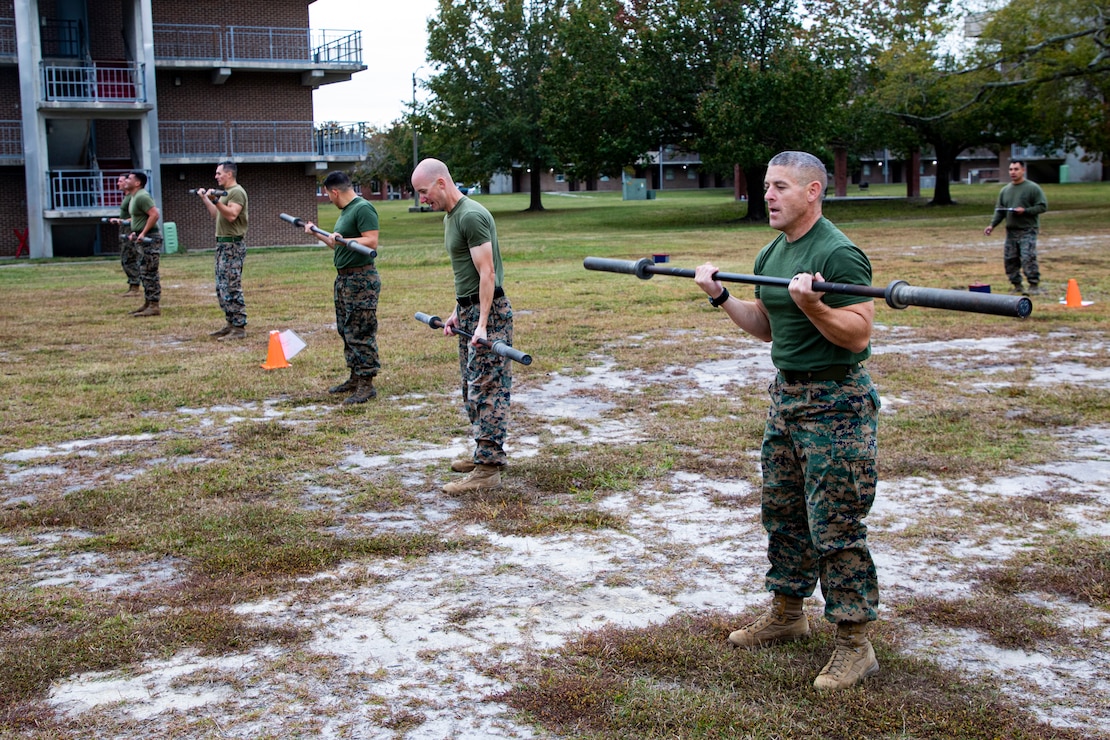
<point x="105" y="40"/>
<point x="13" y="211"/>
<point x="10" y="109"/>
<point x="273" y="13"/>
<point x="245" y="96"/>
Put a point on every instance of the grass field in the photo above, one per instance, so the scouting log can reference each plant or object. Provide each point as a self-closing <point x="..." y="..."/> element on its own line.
<point x="165" y="502"/>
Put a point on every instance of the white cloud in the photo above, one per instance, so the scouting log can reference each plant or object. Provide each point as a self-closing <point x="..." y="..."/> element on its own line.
<point x="394" y="42"/>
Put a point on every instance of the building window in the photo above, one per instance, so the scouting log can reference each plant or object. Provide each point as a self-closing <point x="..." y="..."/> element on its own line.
<point x="560" y="178"/>
<point x="867" y="170"/>
<point x="691" y="174"/>
<point x="668" y="174"/>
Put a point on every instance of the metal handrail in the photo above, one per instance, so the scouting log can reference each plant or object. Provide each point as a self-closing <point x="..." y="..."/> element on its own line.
<point x="209" y="139"/>
<point x="76" y="190"/>
<point x="11" y="141"/>
<point x="93" y="82"/>
<point x="257" y="43"/>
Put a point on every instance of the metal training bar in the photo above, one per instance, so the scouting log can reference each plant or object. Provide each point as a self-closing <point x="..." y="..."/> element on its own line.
<point x="213" y="194"/>
<point x="498" y="346"/>
<point x="899" y="294"/>
<point x="371" y="253"/>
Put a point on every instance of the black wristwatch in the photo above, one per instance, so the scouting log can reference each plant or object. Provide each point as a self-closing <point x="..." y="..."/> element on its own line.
<point x="716" y="302"/>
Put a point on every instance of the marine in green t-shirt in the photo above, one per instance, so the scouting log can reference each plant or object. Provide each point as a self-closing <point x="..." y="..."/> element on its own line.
<point x="819" y="440"/>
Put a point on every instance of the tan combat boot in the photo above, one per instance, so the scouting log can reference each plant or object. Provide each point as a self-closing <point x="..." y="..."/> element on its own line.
<point x="346" y="386"/>
<point x="151" y="309"/>
<point x="783" y="622"/>
<point x="364" y="391"/>
<point x="482" y="478"/>
<point x="132" y="292"/>
<point x="140" y="309"/>
<point x="463" y="465"/>
<point x="236" y="332"/>
<point x="853" y="658"/>
<point x="221" y="332"/>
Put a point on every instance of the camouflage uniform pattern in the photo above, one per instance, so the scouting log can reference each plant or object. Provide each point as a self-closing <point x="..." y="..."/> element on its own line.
<point x="152" y="254"/>
<point x="130" y="256"/>
<point x="819" y="480"/>
<point x="356" y="319"/>
<point x="487" y="380"/>
<point x="230" y="257"/>
<point x="1019" y="254"/>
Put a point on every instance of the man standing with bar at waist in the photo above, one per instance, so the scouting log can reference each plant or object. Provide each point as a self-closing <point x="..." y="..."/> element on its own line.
<point x="819" y="440"/>
<point x="230" y="212"/>
<point x="357" y="286"/>
<point x="482" y="310"/>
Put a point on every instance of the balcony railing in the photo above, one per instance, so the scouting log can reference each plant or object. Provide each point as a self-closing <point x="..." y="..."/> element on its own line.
<point x="260" y="139"/>
<point x="120" y="82"/>
<point x="79" y="190"/>
<point x="11" y="141"/>
<point x="256" y="44"/>
<point x="8" y="46"/>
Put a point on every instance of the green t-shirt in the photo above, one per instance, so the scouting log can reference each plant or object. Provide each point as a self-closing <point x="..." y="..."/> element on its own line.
<point x="238" y="227"/>
<point x="357" y="217"/>
<point x="1027" y="195"/>
<point x="125" y="214"/>
<point x="141" y="203"/>
<point x="796" y="344"/>
<point x="466" y="226"/>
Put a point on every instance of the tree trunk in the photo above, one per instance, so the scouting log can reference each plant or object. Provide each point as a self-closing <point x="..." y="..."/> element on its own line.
<point x="757" y="208"/>
<point x="535" y="202"/>
<point x="946" y="164"/>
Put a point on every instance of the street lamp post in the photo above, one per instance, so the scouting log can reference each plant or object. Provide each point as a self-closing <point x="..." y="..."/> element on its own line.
<point x="415" y="195"/>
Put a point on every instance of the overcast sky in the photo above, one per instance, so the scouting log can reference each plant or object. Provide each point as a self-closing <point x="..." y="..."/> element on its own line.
<point x="394" y="38"/>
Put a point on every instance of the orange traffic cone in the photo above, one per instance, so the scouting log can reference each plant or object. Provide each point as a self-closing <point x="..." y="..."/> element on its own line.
<point x="1073" y="299"/>
<point x="275" y="355"/>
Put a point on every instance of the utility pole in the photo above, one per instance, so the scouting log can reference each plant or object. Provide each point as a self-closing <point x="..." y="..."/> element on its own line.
<point x="415" y="195"/>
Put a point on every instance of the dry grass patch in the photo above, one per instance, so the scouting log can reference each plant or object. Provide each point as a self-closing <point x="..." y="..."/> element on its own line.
<point x="680" y="679"/>
<point x="1074" y="567"/>
<point x="1024" y="625"/>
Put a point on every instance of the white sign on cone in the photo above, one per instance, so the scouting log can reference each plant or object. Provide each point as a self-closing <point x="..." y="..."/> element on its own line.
<point x="291" y="344"/>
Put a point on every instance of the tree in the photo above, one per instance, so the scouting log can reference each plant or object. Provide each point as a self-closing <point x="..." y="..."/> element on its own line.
<point x="1058" y="55"/>
<point x="773" y="94"/>
<point x="594" y="120"/>
<point x="486" y="111"/>
<point x="1036" y="74"/>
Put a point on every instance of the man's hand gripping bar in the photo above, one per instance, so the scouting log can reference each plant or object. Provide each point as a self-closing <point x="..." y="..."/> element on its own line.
<point x="499" y="347"/>
<point x="345" y="242"/>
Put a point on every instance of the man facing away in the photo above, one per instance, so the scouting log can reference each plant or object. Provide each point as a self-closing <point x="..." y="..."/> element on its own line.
<point x="145" y="233"/>
<point x="819" y="440"/>
<point x="130" y="256"/>
<point x="230" y="212"/>
<point x="483" y="310"/>
<point x="357" y="286"/>
<point x="1020" y="204"/>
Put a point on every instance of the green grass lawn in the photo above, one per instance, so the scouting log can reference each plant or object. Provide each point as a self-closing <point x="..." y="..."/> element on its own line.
<point x="251" y="508"/>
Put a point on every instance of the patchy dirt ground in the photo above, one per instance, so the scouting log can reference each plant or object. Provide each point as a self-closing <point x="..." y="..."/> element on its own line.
<point x="399" y="645"/>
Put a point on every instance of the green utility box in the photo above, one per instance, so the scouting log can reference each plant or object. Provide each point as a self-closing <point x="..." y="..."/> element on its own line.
<point x="169" y="237"/>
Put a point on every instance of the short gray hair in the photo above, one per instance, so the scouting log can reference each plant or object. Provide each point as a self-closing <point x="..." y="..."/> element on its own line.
<point x="808" y="166"/>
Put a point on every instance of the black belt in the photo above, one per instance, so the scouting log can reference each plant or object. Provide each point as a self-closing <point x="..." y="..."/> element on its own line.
<point x="229" y="239"/>
<point x="467" y="301"/>
<point x="353" y="270"/>
<point x="832" y="372"/>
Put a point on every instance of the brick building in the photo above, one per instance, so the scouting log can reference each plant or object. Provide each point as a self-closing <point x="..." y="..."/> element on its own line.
<point x="95" y="88"/>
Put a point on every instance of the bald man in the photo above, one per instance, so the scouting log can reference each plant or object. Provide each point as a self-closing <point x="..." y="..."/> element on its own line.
<point x="483" y="310"/>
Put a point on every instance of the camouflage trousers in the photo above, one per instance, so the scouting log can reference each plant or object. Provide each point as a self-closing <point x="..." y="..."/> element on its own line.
<point x="819" y="479"/>
<point x="152" y="254"/>
<point x="1019" y="254"/>
<point x="229" y="281"/>
<point x="487" y="380"/>
<point x="131" y="259"/>
<point x="356" y="319"/>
